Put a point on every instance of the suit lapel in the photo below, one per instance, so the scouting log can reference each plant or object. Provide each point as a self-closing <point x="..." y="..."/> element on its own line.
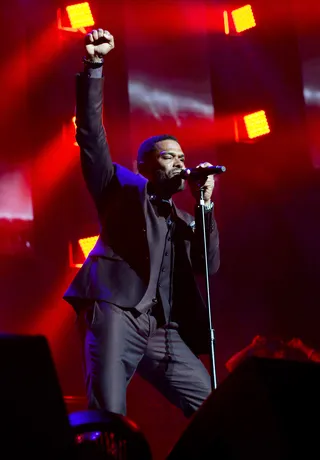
<point x="182" y="216"/>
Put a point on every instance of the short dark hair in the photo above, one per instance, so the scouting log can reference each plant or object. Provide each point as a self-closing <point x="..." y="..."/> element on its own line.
<point x="149" y="145"/>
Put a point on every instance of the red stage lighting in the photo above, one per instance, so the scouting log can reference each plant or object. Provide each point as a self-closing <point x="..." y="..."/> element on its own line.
<point x="226" y="22"/>
<point x="77" y="16"/>
<point x="243" y="18"/>
<point x="79" y="251"/>
<point x="80" y="15"/>
<point x="74" y="125"/>
<point x="256" y="124"/>
<point x="87" y="244"/>
<point x="251" y="126"/>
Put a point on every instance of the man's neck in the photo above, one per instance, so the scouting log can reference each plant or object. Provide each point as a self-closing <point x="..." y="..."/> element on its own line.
<point x="159" y="191"/>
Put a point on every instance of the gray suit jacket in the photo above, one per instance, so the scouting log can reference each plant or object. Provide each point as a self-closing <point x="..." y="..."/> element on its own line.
<point x="117" y="269"/>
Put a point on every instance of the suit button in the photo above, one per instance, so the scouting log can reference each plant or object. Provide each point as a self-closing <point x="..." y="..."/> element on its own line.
<point x="144" y="230"/>
<point x="154" y="300"/>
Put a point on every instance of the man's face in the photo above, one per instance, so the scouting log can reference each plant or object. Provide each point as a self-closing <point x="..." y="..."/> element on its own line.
<point x="164" y="166"/>
<point x="170" y="157"/>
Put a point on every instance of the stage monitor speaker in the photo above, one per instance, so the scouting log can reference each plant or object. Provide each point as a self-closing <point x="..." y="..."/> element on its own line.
<point x="267" y="409"/>
<point x="33" y="418"/>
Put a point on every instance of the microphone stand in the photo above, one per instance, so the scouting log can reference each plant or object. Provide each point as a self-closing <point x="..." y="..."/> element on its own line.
<point x="211" y="330"/>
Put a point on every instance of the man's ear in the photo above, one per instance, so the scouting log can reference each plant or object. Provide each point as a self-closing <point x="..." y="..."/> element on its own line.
<point x="135" y="167"/>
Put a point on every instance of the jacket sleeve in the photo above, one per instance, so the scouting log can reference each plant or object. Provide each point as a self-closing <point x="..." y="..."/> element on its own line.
<point x="212" y="243"/>
<point x="96" y="162"/>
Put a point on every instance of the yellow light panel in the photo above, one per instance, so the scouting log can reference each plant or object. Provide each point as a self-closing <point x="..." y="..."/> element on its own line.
<point x="256" y="124"/>
<point x="87" y="244"/>
<point x="80" y="15"/>
<point x="243" y="18"/>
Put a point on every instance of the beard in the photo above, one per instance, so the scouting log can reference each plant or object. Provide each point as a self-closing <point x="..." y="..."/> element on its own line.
<point x="168" y="183"/>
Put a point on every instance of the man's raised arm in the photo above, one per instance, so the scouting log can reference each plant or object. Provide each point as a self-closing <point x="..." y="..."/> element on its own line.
<point x="96" y="162"/>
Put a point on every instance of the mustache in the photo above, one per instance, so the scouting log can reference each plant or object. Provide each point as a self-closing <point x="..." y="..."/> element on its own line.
<point x="166" y="175"/>
<point x="169" y="182"/>
<point x="175" y="172"/>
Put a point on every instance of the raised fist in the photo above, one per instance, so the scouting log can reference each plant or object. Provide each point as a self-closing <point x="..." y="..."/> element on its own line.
<point x="98" y="43"/>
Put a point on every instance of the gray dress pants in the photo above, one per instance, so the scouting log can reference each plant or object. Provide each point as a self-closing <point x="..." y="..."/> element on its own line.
<point x="118" y="342"/>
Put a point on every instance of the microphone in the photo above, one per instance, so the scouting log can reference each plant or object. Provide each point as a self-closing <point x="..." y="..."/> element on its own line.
<point x="199" y="173"/>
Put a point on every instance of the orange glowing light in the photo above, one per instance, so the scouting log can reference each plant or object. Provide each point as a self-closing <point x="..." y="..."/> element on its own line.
<point x="80" y="15"/>
<point x="75" y="126"/>
<point x="256" y="124"/>
<point x="226" y="23"/>
<point x="243" y="18"/>
<point x="87" y="244"/>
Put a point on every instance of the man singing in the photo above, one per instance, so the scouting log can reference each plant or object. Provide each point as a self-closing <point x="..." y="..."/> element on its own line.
<point x="136" y="296"/>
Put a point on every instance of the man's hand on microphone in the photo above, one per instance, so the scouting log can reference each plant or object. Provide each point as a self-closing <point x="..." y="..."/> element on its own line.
<point x="207" y="183"/>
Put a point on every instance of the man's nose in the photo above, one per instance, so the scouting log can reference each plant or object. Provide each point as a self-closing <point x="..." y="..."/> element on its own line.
<point x="179" y="163"/>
